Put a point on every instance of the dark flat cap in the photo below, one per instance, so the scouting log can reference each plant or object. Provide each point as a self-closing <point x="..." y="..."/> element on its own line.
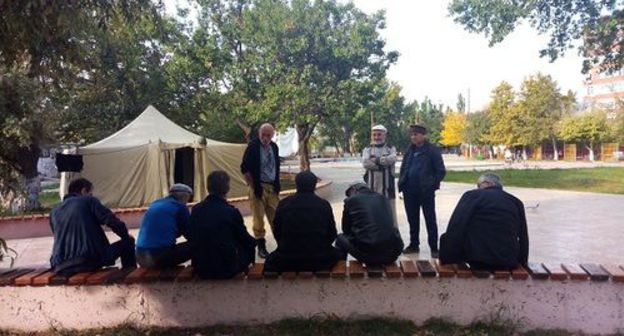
<point x="418" y="129"/>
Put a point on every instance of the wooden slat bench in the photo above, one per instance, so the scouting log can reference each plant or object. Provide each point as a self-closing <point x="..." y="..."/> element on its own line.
<point x="351" y="269"/>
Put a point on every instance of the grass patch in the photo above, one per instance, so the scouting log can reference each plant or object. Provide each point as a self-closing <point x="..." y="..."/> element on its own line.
<point x="609" y="180"/>
<point x="326" y="326"/>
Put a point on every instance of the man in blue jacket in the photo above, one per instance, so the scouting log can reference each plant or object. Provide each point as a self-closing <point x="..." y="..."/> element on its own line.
<point x="220" y="244"/>
<point x="422" y="170"/>
<point x="164" y="221"/>
<point x="80" y="243"/>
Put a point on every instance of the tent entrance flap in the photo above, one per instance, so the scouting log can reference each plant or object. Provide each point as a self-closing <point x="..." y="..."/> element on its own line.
<point x="184" y="169"/>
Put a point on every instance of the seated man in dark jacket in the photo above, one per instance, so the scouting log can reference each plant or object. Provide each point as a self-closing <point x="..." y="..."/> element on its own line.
<point x="488" y="229"/>
<point x="221" y="247"/>
<point x="79" y="240"/>
<point x="304" y="229"/>
<point x="368" y="228"/>
<point x="165" y="220"/>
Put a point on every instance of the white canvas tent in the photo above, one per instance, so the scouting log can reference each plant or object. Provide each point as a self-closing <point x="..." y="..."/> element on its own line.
<point x="139" y="163"/>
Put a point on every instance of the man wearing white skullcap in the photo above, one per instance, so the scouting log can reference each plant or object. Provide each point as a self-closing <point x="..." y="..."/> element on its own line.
<point x="378" y="159"/>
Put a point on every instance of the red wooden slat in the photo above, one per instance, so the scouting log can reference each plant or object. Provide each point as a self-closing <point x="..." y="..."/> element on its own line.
<point x="616" y="272"/>
<point x="575" y="272"/>
<point x="100" y="277"/>
<point x="339" y="270"/>
<point x="519" y="273"/>
<point x="135" y="276"/>
<point x="356" y="270"/>
<point x="392" y="270"/>
<point x="409" y="269"/>
<point x="426" y="269"/>
<point x="445" y="271"/>
<point x="151" y="275"/>
<point x="43" y="279"/>
<point x="255" y="272"/>
<point x="502" y="275"/>
<point x="556" y="272"/>
<point x="462" y="270"/>
<point x="374" y="271"/>
<point x="596" y="273"/>
<point x="78" y="279"/>
<point x="26" y="279"/>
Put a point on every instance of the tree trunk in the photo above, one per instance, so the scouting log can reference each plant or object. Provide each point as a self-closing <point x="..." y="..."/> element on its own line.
<point x="591" y="151"/>
<point x="246" y="128"/>
<point x="305" y="132"/>
<point x="555" y="151"/>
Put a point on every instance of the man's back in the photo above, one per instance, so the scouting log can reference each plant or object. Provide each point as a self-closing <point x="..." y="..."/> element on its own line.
<point x="218" y="237"/>
<point x="304" y="225"/>
<point x="368" y="219"/>
<point x="76" y="225"/>
<point x="162" y="223"/>
<point x="489" y="227"/>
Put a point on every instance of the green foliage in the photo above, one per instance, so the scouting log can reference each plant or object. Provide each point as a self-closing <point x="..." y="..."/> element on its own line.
<point x="478" y="125"/>
<point x="44" y="49"/>
<point x="596" y="22"/>
<point x="588" y="128"/>
<point x="430" y="115"/>
<point x="505" y="117"/>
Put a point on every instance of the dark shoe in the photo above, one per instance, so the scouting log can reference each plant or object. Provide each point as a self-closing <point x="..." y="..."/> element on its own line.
<point x="262" y="251"/>
<point x="411" y="249"/>
<point x="435" y="254"/>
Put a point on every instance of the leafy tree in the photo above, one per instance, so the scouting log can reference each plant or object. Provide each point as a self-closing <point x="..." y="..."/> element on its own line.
<point x="453" y="129"/>
<point x="543" y="106"/>
<point x="596" y="22"/>
<point x="588" y="128"/>
<point x="42" y="52"/>
<point x="429" y="115"/>
<point x="295" y="62"/>
<point x="505" y="117"/>
<point x="461" y="103"/>
<point x="477" y="127"/>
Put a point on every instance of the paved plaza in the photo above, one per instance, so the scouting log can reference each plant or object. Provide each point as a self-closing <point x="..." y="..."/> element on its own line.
<point x="564" y="226"/>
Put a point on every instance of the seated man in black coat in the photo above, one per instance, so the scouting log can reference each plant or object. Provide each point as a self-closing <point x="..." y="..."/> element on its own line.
<point x="304" y="229"/>
<point x="80" y="243"/>
<point x="368" y="228"/>
<point x="488" y="229"/>
<point x="221" y="247"/>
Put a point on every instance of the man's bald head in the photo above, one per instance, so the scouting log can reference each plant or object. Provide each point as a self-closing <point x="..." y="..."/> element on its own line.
<point x="265" y="133"/>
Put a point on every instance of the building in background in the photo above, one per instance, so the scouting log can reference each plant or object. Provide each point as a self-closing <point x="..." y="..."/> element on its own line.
<point x="604" y="91"/>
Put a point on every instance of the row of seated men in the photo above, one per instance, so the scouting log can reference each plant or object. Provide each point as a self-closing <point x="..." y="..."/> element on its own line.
<point x="487" y="230"/>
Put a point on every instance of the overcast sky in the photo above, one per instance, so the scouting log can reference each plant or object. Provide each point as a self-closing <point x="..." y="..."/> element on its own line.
<point x="439" y="59"/>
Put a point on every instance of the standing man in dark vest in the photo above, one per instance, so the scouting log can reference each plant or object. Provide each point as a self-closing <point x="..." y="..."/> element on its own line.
<point x="422" y="170"/>
<point x="261" y="168"/>
<point x="378" y="159"/>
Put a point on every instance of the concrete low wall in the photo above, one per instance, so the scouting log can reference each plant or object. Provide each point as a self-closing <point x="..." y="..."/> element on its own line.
<point x="591" y="307"/>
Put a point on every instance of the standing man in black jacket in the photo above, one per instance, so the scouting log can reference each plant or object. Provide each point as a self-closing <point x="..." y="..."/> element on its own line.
<point x="80" y="243"/>
<point x="422" y="170"/>
<point x="304" y="229"/>
<point x="488" y="229"/>
<point x="261" y="167"/>
<point x="220" y="244"/>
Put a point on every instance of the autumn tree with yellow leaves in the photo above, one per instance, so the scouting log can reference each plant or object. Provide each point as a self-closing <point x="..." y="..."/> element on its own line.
<point x="453" y="129"/>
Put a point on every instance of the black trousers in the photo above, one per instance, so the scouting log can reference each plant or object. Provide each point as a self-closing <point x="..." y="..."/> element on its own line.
<point x="343" y="242"/>
<point x="413" y="202"/>
<point x="123" y="249"/>
<point x="165" y="257"/>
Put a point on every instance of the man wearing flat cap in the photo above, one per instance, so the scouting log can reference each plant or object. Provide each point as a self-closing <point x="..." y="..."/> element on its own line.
<point x="164" y="221"/>
<point x="421" y="172"/>
<point x="378" y="159"/>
